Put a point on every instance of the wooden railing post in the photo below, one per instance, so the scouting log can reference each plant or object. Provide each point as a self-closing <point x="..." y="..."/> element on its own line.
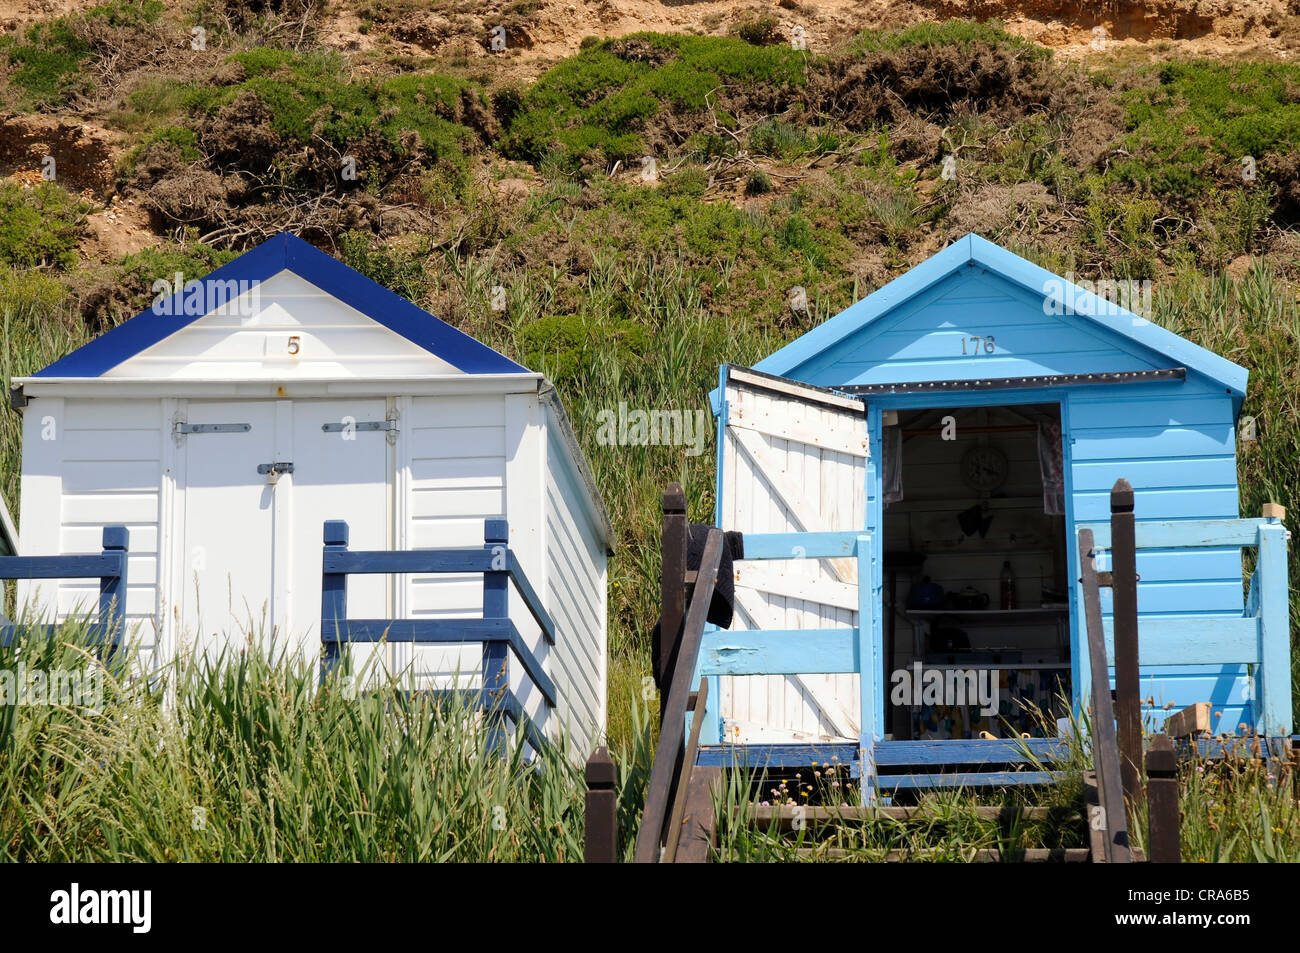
<point x="668" y="754"/>
<point x="1163" y="840"/>
<point x="1128" y="707"/>
<point x="1105" y="748"/>
<point x="1274" y="679"/>
<point x="496" y="605"/>
<point x="112" y="589"/>
<point x="601" y="845"/>
<point x="672" y="586"/>
<point x="333" y="598"/>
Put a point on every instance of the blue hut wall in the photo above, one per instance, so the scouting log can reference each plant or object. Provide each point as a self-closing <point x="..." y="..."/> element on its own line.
<point x="1174" y="440"/>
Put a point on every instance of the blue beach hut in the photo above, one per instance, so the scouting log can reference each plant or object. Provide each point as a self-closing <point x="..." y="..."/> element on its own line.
<point x="911" y="477"/>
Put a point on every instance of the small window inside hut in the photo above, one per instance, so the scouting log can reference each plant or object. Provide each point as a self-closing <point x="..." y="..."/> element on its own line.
<point x="976" y="618"/>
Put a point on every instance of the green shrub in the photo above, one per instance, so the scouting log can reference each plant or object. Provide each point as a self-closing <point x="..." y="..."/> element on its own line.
<point x="1192" y="127"/>
<point x="600" y="101"/>
<point x="39" y="227"/>
<point x="758" y="183"/>
<point x="759" y="32"/>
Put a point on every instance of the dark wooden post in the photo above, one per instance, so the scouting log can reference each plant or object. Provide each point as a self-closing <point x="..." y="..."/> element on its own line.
<point x="602" y="809"/>
<point x="1163" y="840"/>
<point x="1128" y="707"/>
<point x="333" y="599"/>
<point x="496" y="605"/>
<point x="672" y="587"/>
<point x="112" y="589"/>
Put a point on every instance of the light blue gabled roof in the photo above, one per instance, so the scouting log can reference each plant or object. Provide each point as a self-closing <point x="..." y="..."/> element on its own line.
<point x="286" y="252"/>
<point x="1039" y="281"/>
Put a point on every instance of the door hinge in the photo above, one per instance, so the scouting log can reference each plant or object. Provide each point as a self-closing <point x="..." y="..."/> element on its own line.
<point x="389" y="425"/>
<point x="184" y="428"/>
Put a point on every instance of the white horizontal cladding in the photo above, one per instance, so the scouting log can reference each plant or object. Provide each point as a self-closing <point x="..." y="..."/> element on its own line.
<point x="283" y="327"/>
<point x="225" y="389"/>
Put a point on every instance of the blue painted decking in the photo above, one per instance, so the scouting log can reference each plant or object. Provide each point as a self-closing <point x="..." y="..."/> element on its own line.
<point x="908" y="765"/>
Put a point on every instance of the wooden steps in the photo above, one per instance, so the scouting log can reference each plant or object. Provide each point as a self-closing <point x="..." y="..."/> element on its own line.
<point x="824" y="823"/>
<point x="786" y="817"/>
<point x="983" y="855"/>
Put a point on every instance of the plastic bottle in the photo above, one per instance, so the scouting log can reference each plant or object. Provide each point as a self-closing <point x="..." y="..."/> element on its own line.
<point x="1008" y="586"/>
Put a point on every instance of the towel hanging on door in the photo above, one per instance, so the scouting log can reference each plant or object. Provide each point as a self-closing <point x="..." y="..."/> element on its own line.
<point x="1051" y="466"/>
<point x="891" y="459"/>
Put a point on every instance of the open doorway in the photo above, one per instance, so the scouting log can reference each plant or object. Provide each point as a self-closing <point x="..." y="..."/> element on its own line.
<point x="976" y="620"/>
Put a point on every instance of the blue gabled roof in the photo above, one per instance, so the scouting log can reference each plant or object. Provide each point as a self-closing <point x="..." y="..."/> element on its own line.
<point x="979" y="251"/>
<point x="287" y="252"/>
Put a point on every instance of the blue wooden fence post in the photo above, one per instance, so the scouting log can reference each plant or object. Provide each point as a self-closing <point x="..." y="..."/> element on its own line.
<point x="1273" y="677"/>
<point x="112" y="589"/>
<point x="867" y="665"/>
<point x="333" y="598"/>
<point x="496" y="605"/>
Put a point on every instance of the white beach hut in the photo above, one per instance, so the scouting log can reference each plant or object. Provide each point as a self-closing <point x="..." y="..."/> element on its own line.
<point x="226" y="424"/>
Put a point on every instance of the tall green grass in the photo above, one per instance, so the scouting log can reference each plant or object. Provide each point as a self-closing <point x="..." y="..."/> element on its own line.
<point x="245" y="759"/>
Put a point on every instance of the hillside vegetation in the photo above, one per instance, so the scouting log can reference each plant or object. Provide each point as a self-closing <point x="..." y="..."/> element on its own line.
<point x="773" y="168"/>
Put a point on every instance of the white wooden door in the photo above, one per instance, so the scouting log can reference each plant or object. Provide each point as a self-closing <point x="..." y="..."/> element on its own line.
<point x="341" y="466"/>
<point x="228" y="528"/>
<point x="252" y="548"/>
<point x="793" y="461"/>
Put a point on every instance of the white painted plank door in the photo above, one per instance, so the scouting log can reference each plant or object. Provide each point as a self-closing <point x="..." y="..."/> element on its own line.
<point x="226" y="598"/>
<point x="340" y="472"/>
<point x="794" y="460"/>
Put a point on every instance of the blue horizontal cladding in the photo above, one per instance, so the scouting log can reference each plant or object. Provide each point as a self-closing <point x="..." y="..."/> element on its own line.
<point x="442" y="631"/>
<point x="286" y="252"/>
<point x="1252" y="747"/>
<point x="971" y="779"/>
<point x="1191" y="403"/>
<point x="1190" y="594"/>
<point x="779" y="652"/>
<point x="966" y="752"/>
<point x="929" y="338"/>
<point x="994" y="285"/>
<point x="1162" y="504"/>
<point x="1191" y="640"/>
<point x="775" y="755"/>
<point x="1166" y="690"/>
<point x="1120" y="443"/>
<point x="800" y="545"/>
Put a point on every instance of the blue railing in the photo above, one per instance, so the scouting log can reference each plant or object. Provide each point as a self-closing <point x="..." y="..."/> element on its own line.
<point x="495" y="631"/>
<point x="1259" y="636"/>
<point x="833" y="651"/>
<point x="109" y="567"/>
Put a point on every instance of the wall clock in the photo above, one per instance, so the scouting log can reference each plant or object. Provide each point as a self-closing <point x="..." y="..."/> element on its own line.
<point x="984" y="468"/>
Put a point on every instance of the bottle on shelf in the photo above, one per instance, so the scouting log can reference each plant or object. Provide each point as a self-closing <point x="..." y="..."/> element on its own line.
<point x="1007" y="587"/>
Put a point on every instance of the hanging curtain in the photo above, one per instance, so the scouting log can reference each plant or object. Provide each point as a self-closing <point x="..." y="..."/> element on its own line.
<point x="1051" y="466"/>
<point x="891" y="460"/>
